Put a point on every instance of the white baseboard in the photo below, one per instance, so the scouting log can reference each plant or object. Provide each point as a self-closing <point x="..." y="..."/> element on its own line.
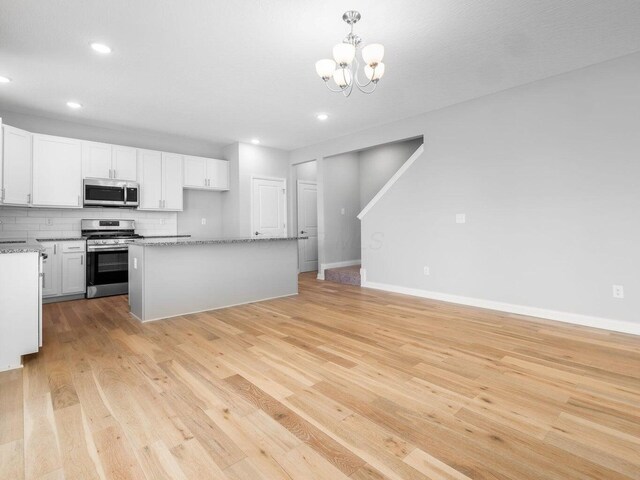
<point x="574" y="318"/>
<point x="345" y="263"/>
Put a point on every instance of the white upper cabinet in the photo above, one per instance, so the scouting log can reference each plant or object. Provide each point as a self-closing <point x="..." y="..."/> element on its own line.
<point x="57" y="171"/>
<point x="96" y="160"/>
<point x="16" y="181"/>
<point x="218" y="174"/>
<point x="124" y="163"/>
<point x="172" y="181"/>
<point x="150" y="178"/>
<point x="101" y="160"/>
<point x="195" y="172"/>
<point x="160" y="177"/>
<point x="206" y="173"/>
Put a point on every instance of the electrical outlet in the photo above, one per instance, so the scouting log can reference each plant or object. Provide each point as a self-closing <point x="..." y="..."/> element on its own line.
<point x="204" y="221"/>
<point x="461" y="218"/>
<point x="342" y="211"/>
<point x="49" y="221"/>
<point x="618" y="291"/>
<point x="426" y="271"/>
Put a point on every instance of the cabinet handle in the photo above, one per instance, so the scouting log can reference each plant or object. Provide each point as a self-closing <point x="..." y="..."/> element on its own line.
<point x="73" y="248"/>
<point x="2" y="194"/>
<point x="28" y="198"/>
<point x="208" y="182"/>
<point x="79" y="201"/>
<point x="81" y="259"/>
<point x="159" y="203"/>
<point x="115" y="175"/>
<point x="44" y="279"/>
<point x="55" y="248"/>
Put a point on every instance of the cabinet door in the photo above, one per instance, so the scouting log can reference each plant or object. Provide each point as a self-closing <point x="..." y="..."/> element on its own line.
<point x="150" y="178"/>
<point x="57" y="171"/>
<point x="124" y="163"/>
<point x="195" y="172"/>
<point x="172" y="181"/>
<point x="17" y="166"/>
<point x="96" y="160"/>
<point x="73" y="273"/>
<point x="218" y="174"/>
<point x="51" y="269"/>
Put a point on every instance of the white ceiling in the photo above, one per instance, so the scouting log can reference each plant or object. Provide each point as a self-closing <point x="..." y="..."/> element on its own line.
<point x="225" y="71"/>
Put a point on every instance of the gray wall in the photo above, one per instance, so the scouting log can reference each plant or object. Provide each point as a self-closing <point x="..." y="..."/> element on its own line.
<point x="117" y="136"/>
<point x="340" y="233"/>
<point x="247" y="161"/>
<point x="548" y="176"/>
<point x="350" y="181"/>
<point x="199" y="204"/>
<point x="378" y="165"/>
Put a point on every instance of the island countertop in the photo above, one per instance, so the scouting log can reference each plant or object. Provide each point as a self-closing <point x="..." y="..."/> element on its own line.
<point x="18" y="245"/>
<point x="168" y="242"/>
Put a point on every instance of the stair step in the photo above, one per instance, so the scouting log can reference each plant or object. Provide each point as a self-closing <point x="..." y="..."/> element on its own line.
<point x="346" y="275"/>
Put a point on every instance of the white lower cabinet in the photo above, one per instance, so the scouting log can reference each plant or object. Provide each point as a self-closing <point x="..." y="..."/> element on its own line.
<point x="64" y="268"/>
<point x="73" y="273"/>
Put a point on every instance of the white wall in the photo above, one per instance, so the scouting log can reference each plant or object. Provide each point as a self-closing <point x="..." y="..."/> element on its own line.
<point x="199" y="204"/>
<point x="549" y="178"/>
<point x="23" y="222"/>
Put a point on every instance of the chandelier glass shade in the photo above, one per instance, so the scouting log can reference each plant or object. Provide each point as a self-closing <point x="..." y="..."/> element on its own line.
<point x="344" y="66"/>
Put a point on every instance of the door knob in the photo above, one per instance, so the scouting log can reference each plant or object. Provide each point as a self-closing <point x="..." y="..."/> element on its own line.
<point x="257" y="233"/>
<point x="302" y="232"/>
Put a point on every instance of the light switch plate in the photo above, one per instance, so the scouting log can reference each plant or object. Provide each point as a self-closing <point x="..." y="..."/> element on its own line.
<point x="461" y="218"/>
<point x="204" y="221"/>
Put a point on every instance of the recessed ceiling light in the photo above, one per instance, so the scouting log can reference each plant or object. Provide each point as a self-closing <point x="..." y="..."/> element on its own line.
<point x="255" y="141"/>
<point x="5" y="80"/>
<point x="74" y="105"/>
<point x="101" y="48"/>
<point x="322" y="116"/>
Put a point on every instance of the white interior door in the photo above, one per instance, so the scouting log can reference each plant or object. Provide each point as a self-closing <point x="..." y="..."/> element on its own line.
<point x="308" y="226"/>
<point x="268" y="209"/>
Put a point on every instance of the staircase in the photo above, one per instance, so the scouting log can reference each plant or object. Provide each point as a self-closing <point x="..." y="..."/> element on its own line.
<point x="346" y="275"/>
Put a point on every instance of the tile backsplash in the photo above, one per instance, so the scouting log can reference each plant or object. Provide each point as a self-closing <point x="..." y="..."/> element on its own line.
<point x="24" y="222"/>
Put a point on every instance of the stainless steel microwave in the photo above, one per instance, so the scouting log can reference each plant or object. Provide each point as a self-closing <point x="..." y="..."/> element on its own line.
<point x="110" y="193"/>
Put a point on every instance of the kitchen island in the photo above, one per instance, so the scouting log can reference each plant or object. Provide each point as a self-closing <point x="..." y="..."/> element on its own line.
<point x="20" y="300"/>
<point x="176" y="276"/>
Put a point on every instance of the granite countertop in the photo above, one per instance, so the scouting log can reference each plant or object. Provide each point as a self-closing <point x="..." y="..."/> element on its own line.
<point x="18" y="245"/>
<point x="166" y="236"/>
<point x="62" y="239"/>
<point x="164" y="242"/>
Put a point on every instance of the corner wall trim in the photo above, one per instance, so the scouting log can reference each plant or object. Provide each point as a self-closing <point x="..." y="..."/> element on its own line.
<point x="326" y="266"/>
<point x="566" y="317"/>
<point x="405" y="166"/>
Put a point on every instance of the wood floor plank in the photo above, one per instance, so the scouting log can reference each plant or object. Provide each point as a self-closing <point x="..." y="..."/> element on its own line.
<point x="337" y="382"/>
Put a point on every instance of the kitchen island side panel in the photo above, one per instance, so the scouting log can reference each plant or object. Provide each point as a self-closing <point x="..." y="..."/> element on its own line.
<point x="183" y="279"/>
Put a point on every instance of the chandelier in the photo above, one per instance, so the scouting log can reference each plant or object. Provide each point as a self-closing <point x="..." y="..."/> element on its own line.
<point x="345" y="65"/>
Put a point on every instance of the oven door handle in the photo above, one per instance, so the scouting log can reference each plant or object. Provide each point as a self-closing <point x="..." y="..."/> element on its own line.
<point x="107" y="248"/>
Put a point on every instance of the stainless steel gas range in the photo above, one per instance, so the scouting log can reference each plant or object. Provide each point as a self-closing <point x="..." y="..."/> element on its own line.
<point x="108" y="256"/>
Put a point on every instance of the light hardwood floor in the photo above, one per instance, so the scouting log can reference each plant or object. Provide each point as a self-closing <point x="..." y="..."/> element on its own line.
<point x="338" y="382"/>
